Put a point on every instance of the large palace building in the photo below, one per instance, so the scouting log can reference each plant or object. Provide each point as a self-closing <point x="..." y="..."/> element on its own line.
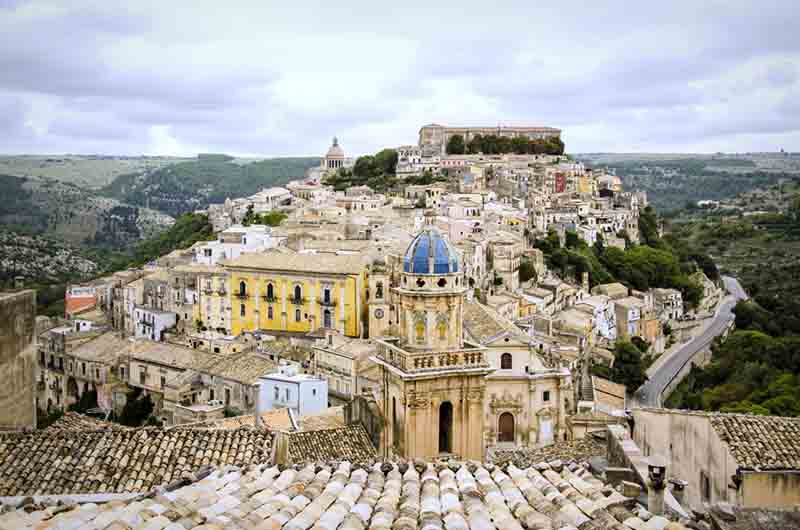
<point x="433" y="138"/>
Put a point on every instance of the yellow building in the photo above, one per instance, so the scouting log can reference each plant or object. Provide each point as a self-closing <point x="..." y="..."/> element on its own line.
<point x="210" y="297"/>
<point x="298" y="293"/>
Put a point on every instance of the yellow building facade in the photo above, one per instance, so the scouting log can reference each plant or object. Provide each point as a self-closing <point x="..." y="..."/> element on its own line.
<point x="297" y="293"/>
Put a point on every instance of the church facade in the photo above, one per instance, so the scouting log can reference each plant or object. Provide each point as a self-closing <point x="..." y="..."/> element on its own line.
<point x="445" y="390"/>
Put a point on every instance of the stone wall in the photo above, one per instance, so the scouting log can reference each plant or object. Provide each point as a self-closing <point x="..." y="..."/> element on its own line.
<point x="18" y="360"/>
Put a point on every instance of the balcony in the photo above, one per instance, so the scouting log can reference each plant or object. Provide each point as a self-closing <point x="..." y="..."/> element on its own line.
<point x="223" y="292"/>
<point x="269" y="299"/>
<point x="297" y="301"/>
<point x="241" y="296"/>
<point x="327" y="303"/>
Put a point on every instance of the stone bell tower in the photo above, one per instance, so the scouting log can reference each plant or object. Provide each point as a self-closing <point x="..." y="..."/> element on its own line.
<point x="433" y="383"/>
<point x="382" y="321"/>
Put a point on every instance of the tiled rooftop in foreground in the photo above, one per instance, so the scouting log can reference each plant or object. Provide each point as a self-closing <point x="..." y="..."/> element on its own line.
<point x="383" y="496"/>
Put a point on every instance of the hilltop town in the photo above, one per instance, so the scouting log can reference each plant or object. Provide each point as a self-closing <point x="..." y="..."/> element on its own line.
<point x="452" y="332"/>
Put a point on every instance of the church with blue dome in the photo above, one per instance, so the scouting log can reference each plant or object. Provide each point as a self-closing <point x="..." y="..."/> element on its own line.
<point x="431" y="253"/>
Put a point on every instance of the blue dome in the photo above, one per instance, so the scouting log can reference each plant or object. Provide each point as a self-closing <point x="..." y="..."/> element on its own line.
<point x="428" y="249"/>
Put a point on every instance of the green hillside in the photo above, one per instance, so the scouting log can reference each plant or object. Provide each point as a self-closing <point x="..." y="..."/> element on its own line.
<point x="187" y="186"/>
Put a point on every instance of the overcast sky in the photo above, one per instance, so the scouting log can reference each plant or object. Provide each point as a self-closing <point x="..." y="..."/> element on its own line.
<point x="281" y="78"/>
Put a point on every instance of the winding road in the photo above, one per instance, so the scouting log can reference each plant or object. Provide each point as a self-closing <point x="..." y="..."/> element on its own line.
<point x="649" y="394"/>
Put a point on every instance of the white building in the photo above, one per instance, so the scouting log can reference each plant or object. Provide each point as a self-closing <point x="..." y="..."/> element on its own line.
<point x="151" y="323"/>
<point x="603" y="313"/>
<point x="304" y="394"/>
<point x="234" y="241"/>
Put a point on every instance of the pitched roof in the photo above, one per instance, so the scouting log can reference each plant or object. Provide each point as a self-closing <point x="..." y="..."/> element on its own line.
<point x="317" y="263"/>
<point x="244" y="367"/>
<point x="74" y="421"/>
<point x="348" y="496"/>
<point x="106" y="348"/>
<point x="484" y="324"/>
<point x="117" y="461"/>
<point x="760" y="442"/>
<point x="278" y="419"/>
<point x="349" y="443"/>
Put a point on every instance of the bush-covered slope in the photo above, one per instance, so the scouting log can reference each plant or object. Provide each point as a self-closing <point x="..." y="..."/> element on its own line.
<point x="188" y="186"/>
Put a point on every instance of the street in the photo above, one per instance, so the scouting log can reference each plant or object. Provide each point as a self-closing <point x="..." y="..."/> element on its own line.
<point x="649" y="394"/>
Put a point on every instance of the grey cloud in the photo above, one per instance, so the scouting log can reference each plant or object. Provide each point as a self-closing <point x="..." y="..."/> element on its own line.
<point x="277" y="79"/>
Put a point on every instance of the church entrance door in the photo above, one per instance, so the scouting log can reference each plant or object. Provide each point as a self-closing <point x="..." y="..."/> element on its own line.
<point x="506" y="427"/>
<point x="446" y="427"/>
<point x="545" y="431"/>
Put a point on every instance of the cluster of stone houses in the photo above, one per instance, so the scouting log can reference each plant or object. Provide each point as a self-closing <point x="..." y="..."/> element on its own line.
<point x="365" y="338"/>
<point x="380" y="294"/>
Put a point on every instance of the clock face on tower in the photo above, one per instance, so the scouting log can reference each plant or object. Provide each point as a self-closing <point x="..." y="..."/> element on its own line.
<point x="379" y="314"/>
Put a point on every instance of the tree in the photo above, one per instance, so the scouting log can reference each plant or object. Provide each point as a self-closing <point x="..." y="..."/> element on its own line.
<point x="455" y="145"/>
<point x="474" y="145"/>
<point x="519" y="145"/>
<point x="526" y="271"/>
<point x="385" y="162"/>
<point x="629" y="366"/>
<point x="137" y="409"/>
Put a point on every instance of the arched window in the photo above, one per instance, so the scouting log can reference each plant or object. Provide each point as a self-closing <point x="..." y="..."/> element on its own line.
<point x="506" y="362"/>
<point x="297" y="315"/>
<point x="298" y="293"/>
<point x="270" y="292"/>
<point x="269" y="312"/>
<point x="242" y="289"/>
<point x="442" y="328"/>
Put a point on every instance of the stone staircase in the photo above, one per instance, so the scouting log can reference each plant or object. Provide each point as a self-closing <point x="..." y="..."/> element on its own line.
<point x="587" y="389"/>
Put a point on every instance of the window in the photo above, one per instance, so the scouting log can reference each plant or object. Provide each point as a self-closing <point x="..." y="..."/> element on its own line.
<point x="241" y="310"/>
<point x="270" y="292"/>
<point x="326" y="296"/>
<point x="298" y="293"/>
<point x="83" y="368"/>
<point x="379" y="290"/>
<point x="269" y="312"/>
<point x="227" y="396"/>
<point x="506" y="362"/>
<point x="546" y="396"/>
<point x="122" y="372"/>
<point x="242" y="289"/>
<point x="277" y="397"/>
<point x="97" y="373"/>
<point x="163" y="381"/>
<point x="142" y="377"/>
<point x="288" y="394"/>
<point x="313" y="391"/>
<point x="297" y="315"/>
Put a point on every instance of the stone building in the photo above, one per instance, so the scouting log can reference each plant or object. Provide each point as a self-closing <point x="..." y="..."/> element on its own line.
<point x="744" y="460"/>
<point x="17" y="359"/>
<point x="433" y="138"/>
<point x="433" y="387"/>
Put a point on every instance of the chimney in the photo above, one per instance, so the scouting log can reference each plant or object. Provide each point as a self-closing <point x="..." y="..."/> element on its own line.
<point x="656" y="484"/>
<point x="259" y="421"/>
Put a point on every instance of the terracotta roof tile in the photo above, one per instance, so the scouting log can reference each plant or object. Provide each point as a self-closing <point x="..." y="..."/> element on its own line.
<point x="760" y="442"/>
<point x="346" y="443"/>
<point x="74" y="421"/>
<point x="135" y="460"/>
<point x="381" y="496"/>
